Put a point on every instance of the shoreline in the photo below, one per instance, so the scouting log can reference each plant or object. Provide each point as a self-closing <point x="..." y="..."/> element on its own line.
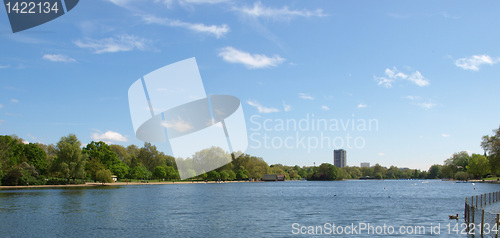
<point x="115" y="184"/>
<point x="192" y="182"/>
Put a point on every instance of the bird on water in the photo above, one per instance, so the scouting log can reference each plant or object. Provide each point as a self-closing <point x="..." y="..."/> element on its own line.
<point x="454" y="217"/>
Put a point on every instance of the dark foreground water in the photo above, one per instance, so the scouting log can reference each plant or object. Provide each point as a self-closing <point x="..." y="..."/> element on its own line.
<point x="274" y="209"/>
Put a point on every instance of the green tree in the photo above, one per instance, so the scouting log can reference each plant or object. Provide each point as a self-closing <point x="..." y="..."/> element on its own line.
<point x="93" y="166"/>
<point x="106" y="156"/>
<point x="448" y="171"/>
<point x="478" y="165"/>
<point x="459" y="160"/>
<point x="140" y="172"/>
<point x="36" y="156"/>
<point x="70" y="161"/>
<point x="224" y="175"/>
<point x="213" y="175"/>
<point x="104" y="176"/>
<point x="159" y="172"/>
<point x="491" y="147"/>
<point x="434" y="172"/>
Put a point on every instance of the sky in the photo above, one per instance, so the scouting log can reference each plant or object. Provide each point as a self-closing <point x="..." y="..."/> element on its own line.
<point x="404" y="83"/>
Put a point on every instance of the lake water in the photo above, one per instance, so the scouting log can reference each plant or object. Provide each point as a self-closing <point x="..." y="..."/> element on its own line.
<point x="273" y="209"/>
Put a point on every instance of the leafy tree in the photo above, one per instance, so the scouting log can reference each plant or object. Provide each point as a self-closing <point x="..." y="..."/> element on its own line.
<point x="434" y="172"/>
<point x="104" y="176"/>
<point x="213" y="175"/>
<point x="491" y="147"/>
<point x="327" y="171"/>
<point x="367" y="171"/>
<point x="224" y="175"/>
<point x="172" y="173"/>
<point x="459" y="160"/>
<point x="150" y="157"/>
<point x="242" y="174"/>
<point x="70" y="160"/>
<point x="478" y="165"/>
<point x="36" y="156"/>
<point x="159" y="172"/>
<point x="461" y="175"/>
<point x="93" y="166"/>
<point x="448" y="170"/>
<point x="379" y="169"/>
<point x="103" y="153"/>
<point x="140" y="172"/>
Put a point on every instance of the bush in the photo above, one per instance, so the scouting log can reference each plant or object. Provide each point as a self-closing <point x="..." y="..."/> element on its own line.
<point x="462" y="175"/>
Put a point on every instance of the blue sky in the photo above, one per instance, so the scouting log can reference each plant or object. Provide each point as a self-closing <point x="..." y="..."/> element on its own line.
<point x="425" y="71"/>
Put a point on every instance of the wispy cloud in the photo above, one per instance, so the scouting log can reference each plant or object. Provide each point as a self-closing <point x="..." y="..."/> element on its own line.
<point x="381" y="154"/>
<point x="306" y="96"/>
<point x="473" y="62"/>
<point x="325" y="108"/>
<point x="362" y="105"/>
<point x="421" y="102"/>
<point x="114" y="44"/>
<point x="260" y="108"/>
<point x="445" y="135"/>
<point x="202" y="1"/>
<point x="251" y="61"/>
<point x="58" y="58"/>
<point x="4" y="66"/>
<point x="1" y="106"/>
<point x="286" y="107"/>
<point x="14" y="100"/>
<point x="412" y="97"/>
<point x="284" y="13"/>
<point x="426" y="105"/>
<point x="216" y="30"/>
<point x="178" y="125"/>
<point x="393" y="75"/>
<point x="108" y="136"/>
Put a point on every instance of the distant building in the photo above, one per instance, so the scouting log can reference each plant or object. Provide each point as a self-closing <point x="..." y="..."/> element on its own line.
<point x="365" y="165"/>
<point x="339" y="158"/>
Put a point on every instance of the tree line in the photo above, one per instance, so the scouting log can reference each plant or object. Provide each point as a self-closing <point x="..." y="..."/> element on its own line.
<point x="462" y="166"/>
<point x="67" y="161"/>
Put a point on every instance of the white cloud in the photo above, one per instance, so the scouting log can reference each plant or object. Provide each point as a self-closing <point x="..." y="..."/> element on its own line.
<point x="418" y="79"/>
<point x="1" y="106"/>
<point x="362" y="105"/>
<point x="251" y="61"/>
<point x="305" y="96"/>
<point x="381" y="154"/>
<point x="260" y="108"/>
<point x="426" y="105"/>
<point x="202" y="1"/>
<point x="25" y="142"/>
<point x="412" y="97"/>
<point x="286" y="107"/>
<point x="14" y="100"/>
<point x="284" y="13"/>
<point x="445" y="135"/>
<point x="108" y="136"/>
<point x="326" y="108"/>
<point x="58" y="58"/>
<point x="178" y="125"/>
<point x="217" y="31"/>
<point x="114" y="44"/>
<point x="393" y="75"/>
<point x="4" y="66"/>
<point x="473" y="62"/>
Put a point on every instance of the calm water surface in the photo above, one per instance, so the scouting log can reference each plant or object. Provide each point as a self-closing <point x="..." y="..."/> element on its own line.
<point x="232" y="209"/>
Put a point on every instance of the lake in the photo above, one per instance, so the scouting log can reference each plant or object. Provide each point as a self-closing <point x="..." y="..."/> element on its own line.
<point x="271" y="209"/>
